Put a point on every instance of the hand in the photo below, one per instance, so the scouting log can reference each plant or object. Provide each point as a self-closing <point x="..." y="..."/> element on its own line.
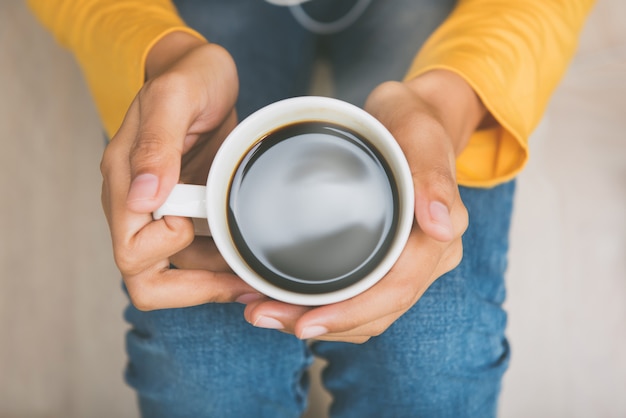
<point x="180" y="116"/>
<point x="432" y="118"/>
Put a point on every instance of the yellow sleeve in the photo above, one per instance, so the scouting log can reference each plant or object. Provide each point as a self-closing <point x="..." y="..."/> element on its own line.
<point x="110" y="40"/>
<point x="513" y="53"/>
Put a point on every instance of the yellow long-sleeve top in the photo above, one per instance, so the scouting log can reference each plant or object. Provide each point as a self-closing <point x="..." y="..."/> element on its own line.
<point x="512" y="52"/>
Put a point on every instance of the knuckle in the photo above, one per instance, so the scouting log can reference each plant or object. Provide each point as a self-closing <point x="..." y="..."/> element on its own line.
<point x="166" y="83"/>
<point x="124" y="262"/>
<point x="180" y="232"/>
<point x="464" y="219"/>
<point x="455" y="255"/>
<point x="150" y="149"/>
<point x="441" y="183"/>
<point x="109" y="158"/>
<point x="177" y="235"/>
<point x="219" y="296"/>
<point x="431" y="125"/>
<point x="105" y="162"/>
<point x="404" y="301"/>
<point x="427" y="129"/>
<point x="139" y="295"/>
<point x="140" y="302"/>
<point x="377" y="330"/>
<point x="458" y="253"/>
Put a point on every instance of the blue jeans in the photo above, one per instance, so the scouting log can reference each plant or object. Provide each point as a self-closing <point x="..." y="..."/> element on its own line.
<point x="444" y="358"/>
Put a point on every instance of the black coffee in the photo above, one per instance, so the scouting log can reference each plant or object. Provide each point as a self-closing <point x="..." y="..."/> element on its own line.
<point x="313" y="207"/>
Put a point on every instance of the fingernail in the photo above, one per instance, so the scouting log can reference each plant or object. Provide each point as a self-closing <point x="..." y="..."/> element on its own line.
<point x="267" y="322"/>
<point x="441" y="216"/>
<point x="248" y="298"/>
<point x="144" y="187"/>
<point x="313" y="331"/>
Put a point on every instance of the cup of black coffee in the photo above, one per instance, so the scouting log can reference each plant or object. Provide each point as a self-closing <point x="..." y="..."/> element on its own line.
<point x="309" y="200"/>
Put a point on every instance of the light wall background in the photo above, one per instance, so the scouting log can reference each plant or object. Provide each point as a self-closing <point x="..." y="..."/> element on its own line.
<point x="61" y="329"/>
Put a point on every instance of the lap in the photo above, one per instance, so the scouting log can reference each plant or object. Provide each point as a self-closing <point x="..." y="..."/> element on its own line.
<point x="444" y="357"/>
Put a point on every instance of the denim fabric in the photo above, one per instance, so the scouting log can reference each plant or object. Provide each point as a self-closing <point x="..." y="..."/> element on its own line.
<point x="446" y="356"/>
<point x="443" y="358"/>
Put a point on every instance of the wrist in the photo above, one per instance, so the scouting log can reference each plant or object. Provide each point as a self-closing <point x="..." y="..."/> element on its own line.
<point x="169" y="50"/>
<point x="454" y="102"/>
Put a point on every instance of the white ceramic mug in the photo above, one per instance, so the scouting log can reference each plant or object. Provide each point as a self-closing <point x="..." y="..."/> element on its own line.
<point x="305" y="217"/>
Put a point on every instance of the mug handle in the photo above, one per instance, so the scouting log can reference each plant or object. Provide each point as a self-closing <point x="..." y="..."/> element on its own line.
<point x="187" y="200"/>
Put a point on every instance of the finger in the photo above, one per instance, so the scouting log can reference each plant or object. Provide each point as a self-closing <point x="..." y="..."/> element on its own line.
<point x="123" y="224"/>
<point x="357" y="335"/>
<point x="202" y="254"/>
<point x="393" y="295"/>
<point x="152" y="245"/>
<point x="198" y="159"/>
<point x="430" y="156"/>
<point x="192" y="97"/>
<point x="429" y="152"/>
<point x="157" y="148"/>
<point x="164" y="288"/>
<point x="397" y="292"/>
<point x="137" y="240"/>
<point x="372" y="312"/>
<point x="263" y="312"/>
<point x="272" y="314"/>
<point x="376" y="327"/>
<point x="436" y="198"/>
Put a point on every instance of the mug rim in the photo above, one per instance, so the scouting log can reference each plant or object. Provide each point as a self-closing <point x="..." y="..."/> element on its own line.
<point x="285" y="112"/>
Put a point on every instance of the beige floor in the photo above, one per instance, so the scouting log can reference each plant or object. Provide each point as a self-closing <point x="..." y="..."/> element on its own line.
<point x="61" y="331"/>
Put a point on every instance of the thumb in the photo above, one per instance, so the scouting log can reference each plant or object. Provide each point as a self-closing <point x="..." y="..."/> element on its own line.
<point x="438" y="207"/>
<point x="172" y="110"/>
<point x="433" y="216"/>
<point x="430" y="152"/>
<point x="156" y="152"/>
<point x="439" y="211"/>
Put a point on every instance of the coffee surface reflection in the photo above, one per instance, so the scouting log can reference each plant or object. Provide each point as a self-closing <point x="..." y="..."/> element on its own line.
<point x="312" y="207"/>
